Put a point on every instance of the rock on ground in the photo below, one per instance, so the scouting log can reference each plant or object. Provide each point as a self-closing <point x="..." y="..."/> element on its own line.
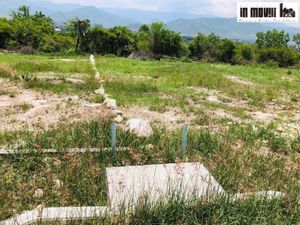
<point x="139" y="127"/>
<point x="110" y="103"/>
<point x="100" y="91"/>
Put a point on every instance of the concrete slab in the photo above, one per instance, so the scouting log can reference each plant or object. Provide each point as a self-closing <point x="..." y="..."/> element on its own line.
<point x="131" y="184"/>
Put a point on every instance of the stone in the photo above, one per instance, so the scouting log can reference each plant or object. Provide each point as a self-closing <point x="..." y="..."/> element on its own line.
<point x="97" y="77"/>
<point x="149" y="146"/>
<point x="110" y="103"/>
<point x="92" y="59"/>
<point x="139" y="127"/>
<point x="117" y="113"/>
<point x="38" y="193"/>
<point x="131" y="184"/>
<point x="119" y="119"/>
<point x="100" y="91"/>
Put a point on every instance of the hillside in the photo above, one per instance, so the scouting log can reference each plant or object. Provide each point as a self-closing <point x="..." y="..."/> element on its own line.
<point x="225" y="27"/>
<point x="95" y="15"/>
<point x="185" y="23"/>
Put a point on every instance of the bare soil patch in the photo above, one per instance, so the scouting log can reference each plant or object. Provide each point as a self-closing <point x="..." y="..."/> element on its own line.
<point x="43" y="111"/>
<point x="239" y="80"/>
<point x="71" y="60"/>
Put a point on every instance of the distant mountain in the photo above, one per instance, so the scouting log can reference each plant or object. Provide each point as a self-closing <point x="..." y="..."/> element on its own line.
<point x="146" y="17"/>
<point x="95" y="15"/>
<point x="63" y="12"/>
<point x="185" y="23"/>
<point x="225" y="27"/>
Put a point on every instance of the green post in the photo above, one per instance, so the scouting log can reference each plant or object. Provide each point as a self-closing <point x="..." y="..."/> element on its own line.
<point x="114" y="138"/>
<point x="184" y="139"/>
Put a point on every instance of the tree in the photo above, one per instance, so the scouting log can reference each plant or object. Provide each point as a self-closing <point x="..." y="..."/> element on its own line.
<point x="296" y="39"/>
<point x="5" y="32"/>
<point x="227" y="50"/>
<point x="56" y="43"/>
<point x="28" y="30"/>
<point x="124" y="41"/>
<point x="198" y="46"/>
<point x="81" y="29"/>
<point x="144" y="40"/>
<point x="160" y="41"/>
<point x="272" y="39"/>
<point x="98" y="40"/>
<point x="78" y="29"/>
<point x="156" y="30"/>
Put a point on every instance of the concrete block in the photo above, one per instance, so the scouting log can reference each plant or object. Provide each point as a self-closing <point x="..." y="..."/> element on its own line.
<point x="131" y="184"/>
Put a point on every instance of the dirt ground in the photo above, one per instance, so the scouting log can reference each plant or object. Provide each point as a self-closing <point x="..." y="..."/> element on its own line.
<point x="25" y="108"/>
<point x="287" y="118"/>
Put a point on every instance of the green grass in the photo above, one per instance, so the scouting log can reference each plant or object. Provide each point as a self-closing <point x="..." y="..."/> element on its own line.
<point x="154" y="78"/>
<point x="243" y="157"/>
<point x="83" y="175"/>
<point x="16" y="66"/>
<point x="40" y="63"/>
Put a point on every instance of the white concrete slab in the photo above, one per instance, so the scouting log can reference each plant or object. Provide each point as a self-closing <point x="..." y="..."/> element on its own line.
<point x="128" y="185"/>
<point x="53" y="214"/>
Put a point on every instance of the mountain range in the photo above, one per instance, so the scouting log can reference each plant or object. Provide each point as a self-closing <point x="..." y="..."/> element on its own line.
<point x="186" y="23"/>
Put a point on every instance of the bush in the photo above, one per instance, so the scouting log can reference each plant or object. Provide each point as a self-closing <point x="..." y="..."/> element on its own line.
<point x="13" y="45"/>
<point x="27" y="50"/>
<point x="283" y="56"/>
<point x="56" y="43"/>
<point x="244" y="54"/>
<point x="227" y="50"/>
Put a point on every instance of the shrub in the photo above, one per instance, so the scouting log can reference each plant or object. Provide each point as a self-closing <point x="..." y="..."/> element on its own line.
<point x="244" y="54"/>
<point x="13" y="45"/>
<point x="283" y="56"/>
<point x="56" y="43"/>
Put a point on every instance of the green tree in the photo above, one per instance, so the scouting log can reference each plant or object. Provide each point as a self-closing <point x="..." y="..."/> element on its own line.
<point x="28" y="30"/>
<point x="272" y="39"/>
<point x="227" y="50"/>
<point x="99" y="40"/>
<point x="198" y="46"/>
<point x="144" y="40"/>
<point x="56" y="43"/>
<point x="79" y="29"/>
<point x="124" y="41"/>
<point x="5" y="32"/>
<point x="160" y="41"/>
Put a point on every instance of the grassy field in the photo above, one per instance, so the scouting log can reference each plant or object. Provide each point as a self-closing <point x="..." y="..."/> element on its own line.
<point x="243" y="154"/>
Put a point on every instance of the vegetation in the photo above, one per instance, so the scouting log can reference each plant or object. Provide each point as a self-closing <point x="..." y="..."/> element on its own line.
<point x="242" y="153"/>
<point x="29" y="33"/>
<point x="83" y="176"/>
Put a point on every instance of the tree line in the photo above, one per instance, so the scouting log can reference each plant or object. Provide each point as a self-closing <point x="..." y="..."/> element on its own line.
<point x="36" y="32"/>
